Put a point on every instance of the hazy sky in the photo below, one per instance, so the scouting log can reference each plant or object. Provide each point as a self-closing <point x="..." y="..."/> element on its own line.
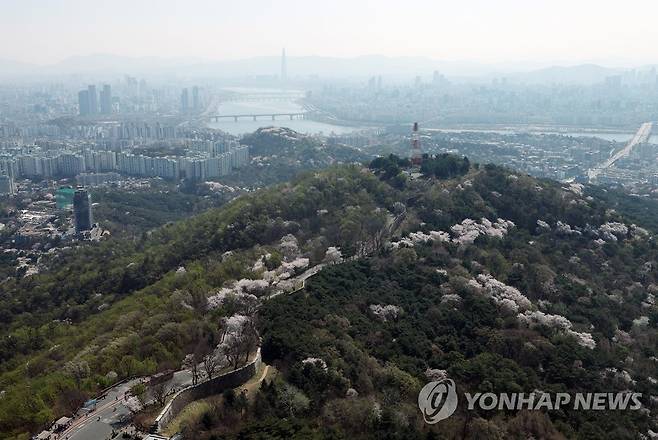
<point x="546" y="31"/>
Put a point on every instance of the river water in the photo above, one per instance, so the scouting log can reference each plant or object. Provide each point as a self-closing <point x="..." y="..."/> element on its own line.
<point x="248" y="125"/>
<point x="608" y="136"/>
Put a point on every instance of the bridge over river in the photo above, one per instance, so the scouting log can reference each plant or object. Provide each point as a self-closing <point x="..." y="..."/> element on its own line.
<point x="641" y="137"/>
<point x="256" y="116"/>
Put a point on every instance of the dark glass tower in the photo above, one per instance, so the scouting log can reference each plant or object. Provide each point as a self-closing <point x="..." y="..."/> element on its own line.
<point x="82" y="210"/>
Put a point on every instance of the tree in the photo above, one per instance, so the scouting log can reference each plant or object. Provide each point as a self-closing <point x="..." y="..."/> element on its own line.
<point x="78" y="370"/>
<point x="192" y="362"/>
<point x="159" y="393"/>
<point x="139" y="392"/>
<point x="239" y="338"/>
<point x="210" y="364"/>
<point x="250" y="338"/>
<point x="232" y="349"/>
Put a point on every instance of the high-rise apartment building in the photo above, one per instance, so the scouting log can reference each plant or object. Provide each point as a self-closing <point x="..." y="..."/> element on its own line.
<point x="7" y="185"/>
<point x="82" y="211"/>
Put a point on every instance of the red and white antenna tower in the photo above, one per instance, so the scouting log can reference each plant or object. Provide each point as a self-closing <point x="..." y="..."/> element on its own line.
<point x="416" y="154"/>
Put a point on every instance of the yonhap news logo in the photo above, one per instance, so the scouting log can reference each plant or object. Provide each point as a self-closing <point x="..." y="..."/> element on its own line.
<point x="438" y="400"/>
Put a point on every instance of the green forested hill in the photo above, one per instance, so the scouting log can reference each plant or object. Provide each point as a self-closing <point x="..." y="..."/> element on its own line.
<point x="505" y="282"/>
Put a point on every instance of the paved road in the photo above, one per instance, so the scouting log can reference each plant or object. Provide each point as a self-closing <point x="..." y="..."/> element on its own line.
<point x="90" y="427"/>
<point x="112" y="411"/>
<point x="640" y="137"/>
<point x="299" y="281"/>
<point x="93" y="428"/>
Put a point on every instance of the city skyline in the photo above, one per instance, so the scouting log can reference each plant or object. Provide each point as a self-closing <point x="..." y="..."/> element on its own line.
<point x="538" y="32"/>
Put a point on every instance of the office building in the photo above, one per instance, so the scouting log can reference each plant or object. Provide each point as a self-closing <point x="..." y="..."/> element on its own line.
<point x="196" y="104"/>
<point x="82" y="211"/>
<point x="93" y="100"/>
<point x="83" y="102"/>
<point x="106" y="100"/>
<point x="184" y="101"/>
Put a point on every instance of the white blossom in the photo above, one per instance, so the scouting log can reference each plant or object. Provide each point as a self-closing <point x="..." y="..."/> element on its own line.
<point x="435" y="374"/>
<point x="622" y="337"/>
<point x="289" y="245"/>
<point x="333" y="255"/>
<point x="583" y="339"/>
<point x="534" y="319"/>
<point x="315" y="361"/>
<point x="638" y="231"/>
<point x="217" y="300"/>
<point x="539" y="318"/>
<point x="258" y="265"/>
<point x="292" y="266"/>
<point x="468" y="230"/>
<point x="566" y="229"/>
<point x="611" y="231"/>
<point x="420" y="237"/>
<point x="543" y="225"/>
<point x="385" y="312"/>
<point x="450" y="298"/>
<point x="507" y="297"/>
<point x="232" y="329"/>
<point x="246" y="285"/>
<point x="440" y="236"/>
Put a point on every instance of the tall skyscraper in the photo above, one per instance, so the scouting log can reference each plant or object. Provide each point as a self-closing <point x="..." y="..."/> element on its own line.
<point x="196" y="104"/>
<point x="7" y="185"/>
<point x="82" y="210"/>
<point x="93" y="100"/>
<point x="106" y="100"/>
<point x="83" y="102"/>
<point x="185" y="101"/>
<point x="284" y="66"/>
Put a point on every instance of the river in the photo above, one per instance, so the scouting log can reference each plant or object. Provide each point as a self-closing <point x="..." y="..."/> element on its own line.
<point x="248" y="107"/>
<point x="606" y="135"/>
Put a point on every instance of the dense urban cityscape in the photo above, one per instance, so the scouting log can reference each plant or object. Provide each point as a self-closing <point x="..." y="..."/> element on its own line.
<point x="230" y="222"/>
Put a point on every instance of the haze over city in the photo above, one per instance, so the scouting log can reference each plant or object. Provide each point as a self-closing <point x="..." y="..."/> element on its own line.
<point x="363" y="219"/>
<point x="525" y="34"/>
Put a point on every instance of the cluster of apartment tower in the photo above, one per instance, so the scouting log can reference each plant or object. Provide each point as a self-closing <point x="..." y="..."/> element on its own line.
<point x="207" y="161"/>
<point x="90" y="104"/>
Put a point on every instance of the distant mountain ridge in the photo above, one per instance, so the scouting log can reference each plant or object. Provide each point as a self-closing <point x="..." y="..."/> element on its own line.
<point x="325" y="67"/>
